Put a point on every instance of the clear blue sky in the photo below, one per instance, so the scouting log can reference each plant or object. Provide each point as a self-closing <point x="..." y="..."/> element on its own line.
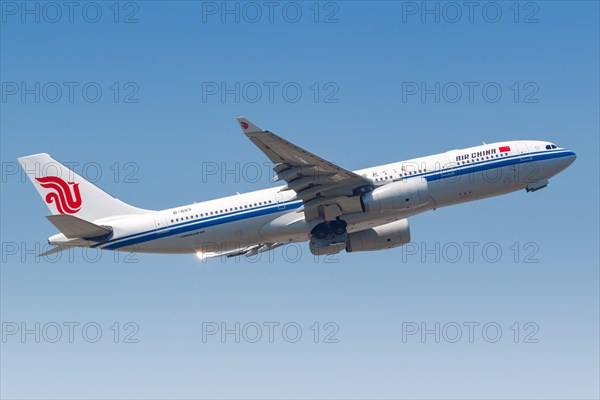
<point x="161" y="122"/>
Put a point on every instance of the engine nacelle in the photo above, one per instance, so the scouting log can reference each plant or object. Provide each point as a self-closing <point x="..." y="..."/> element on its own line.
<point x="401" y="195"/>
<point x="380" y="237"/>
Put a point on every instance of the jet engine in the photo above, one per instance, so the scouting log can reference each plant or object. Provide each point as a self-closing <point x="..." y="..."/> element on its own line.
<point x="381" y="237"/>
<point x="401" y="195"/>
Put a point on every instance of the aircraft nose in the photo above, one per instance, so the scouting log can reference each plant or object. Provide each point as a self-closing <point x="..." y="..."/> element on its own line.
<point x="568" y="159"/>
<point x="571" y="157"/>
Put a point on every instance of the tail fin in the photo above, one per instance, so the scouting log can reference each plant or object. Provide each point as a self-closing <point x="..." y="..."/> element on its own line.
<point x="65" y="192"/>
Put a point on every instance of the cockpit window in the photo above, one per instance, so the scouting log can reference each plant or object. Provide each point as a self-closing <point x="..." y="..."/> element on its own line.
<point x="548" y="147"/>
<point x="554" y="146"/>
<point x="551" y="146"/>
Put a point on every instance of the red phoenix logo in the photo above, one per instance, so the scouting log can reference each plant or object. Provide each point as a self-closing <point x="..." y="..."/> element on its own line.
<point x="67" y="201"/>
<point x="244" y="124"/>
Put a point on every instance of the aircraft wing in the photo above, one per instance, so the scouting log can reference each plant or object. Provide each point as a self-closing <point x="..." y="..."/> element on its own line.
<point x="326" y="189"/>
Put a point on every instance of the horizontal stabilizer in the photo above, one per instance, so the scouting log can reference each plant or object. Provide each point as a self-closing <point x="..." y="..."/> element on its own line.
<point x="51" y="251"/>
<point x="77" y="228"/>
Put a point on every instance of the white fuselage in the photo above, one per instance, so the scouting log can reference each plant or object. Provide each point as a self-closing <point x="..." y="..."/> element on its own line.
<point x="270" y="215"/>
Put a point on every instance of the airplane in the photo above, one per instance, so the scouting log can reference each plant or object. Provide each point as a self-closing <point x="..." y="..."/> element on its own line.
<point x="333" y="208"/>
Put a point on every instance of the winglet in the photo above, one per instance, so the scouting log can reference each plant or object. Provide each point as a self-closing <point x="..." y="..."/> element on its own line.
<point x="247" y="126"/>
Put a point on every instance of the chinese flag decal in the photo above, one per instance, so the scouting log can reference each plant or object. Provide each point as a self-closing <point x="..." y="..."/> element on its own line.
<point x="504" y="149"/>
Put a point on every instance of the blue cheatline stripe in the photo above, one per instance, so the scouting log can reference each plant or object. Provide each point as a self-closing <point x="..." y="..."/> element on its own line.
<point x="281" y="206"/>
<point x="197" y="224"/>
<point x="176" y="229"/>
<point x="496" y="163"/>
